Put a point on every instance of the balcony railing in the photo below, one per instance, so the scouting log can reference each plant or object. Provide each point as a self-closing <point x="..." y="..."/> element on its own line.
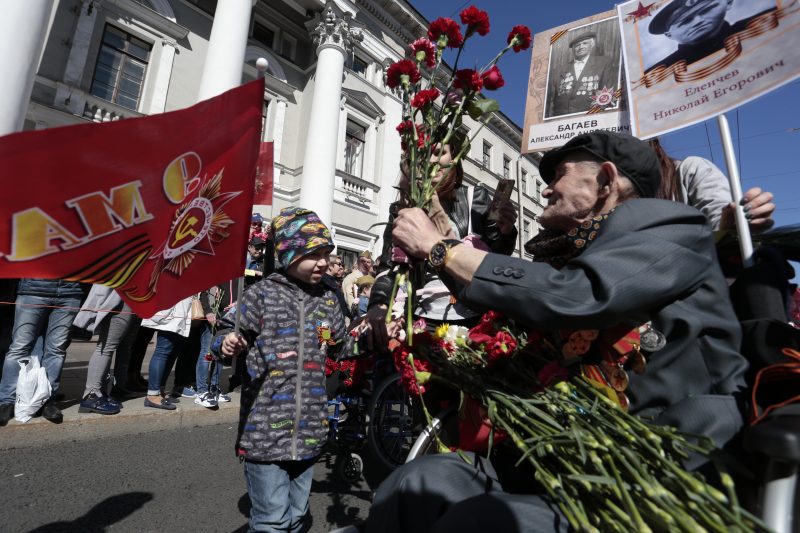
<point x="357" y="190"/>
<point x="99" y="110"/>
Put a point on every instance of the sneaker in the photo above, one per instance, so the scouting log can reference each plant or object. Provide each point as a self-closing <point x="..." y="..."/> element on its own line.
<point x="206" y="399"/>
<point x="98" y="404"/>
<point x="52" y="413"/>
<point x="186" y="392"/>
<point x="222" y="397"/>
<point x="6" y="413"/>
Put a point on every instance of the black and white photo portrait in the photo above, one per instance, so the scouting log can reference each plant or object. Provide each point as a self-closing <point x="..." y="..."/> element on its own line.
<point x="583" y="62"/>
<point x="690" y="30"/>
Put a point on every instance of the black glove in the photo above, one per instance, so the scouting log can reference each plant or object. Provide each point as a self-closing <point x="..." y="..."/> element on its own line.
<point x="377" y="336"/>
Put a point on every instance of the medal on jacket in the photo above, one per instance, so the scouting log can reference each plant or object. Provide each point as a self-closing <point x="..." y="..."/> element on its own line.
<point x="324" y="333"/>
<point x="638" y="362"/>
<point x="651" y="340"/>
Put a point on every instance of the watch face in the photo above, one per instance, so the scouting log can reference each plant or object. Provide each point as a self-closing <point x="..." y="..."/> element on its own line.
<point x="438" y="254"/>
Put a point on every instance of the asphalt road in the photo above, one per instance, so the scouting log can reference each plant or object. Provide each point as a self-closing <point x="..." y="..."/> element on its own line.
<point x="166" y="481"/>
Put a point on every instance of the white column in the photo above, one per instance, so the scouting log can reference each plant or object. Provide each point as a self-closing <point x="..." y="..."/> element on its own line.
<point x="280" y="105"/>
<point x="163" y="73"/>
<point x="226" y="47"/>
<point x="76" y="62"/>
<point x="23" y="31"/>
<point x="334" y="38"/>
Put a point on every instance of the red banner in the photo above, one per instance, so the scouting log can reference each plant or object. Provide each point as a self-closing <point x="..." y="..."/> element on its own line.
<point x="156" y="207"/>
<point x="264" y="172"/>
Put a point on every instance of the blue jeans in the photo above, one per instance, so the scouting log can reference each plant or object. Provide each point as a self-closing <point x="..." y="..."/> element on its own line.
<point x="168" y="344"/>
<point x="53" y="319"/>
<point x="204" y="362"/>
<point x="279" y="494"/>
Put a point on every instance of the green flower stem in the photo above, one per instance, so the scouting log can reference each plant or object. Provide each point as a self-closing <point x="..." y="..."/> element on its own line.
<point x="398" y="280"/>
<point x="640" y="526"/>
<point x="496" y="58"/>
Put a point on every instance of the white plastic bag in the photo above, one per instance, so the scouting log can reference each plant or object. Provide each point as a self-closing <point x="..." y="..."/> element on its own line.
<point x="33" y="389"/>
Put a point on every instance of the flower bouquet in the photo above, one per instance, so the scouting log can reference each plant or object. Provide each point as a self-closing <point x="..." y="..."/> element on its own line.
<point x="435" y="99"/>
<point x="606" y="469"/>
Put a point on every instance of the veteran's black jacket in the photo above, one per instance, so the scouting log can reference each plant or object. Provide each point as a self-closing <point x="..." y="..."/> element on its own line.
<point x="653" y="260"/>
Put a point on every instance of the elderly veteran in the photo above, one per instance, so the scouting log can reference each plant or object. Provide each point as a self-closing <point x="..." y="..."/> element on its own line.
<point x="642" y="261"/>
<point x="573" y="85"/>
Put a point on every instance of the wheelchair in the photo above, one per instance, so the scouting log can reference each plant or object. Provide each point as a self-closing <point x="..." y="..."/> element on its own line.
<point x="362" y="414"/>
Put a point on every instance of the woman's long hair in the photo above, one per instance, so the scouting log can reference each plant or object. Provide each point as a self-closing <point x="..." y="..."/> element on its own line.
<point x="670" y="188"/>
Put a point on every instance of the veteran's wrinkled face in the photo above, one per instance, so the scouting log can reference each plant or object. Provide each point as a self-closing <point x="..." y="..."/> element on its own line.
<point x="573" y="196"/>
<point x="701" y="21"/>
<point x="583" y="48"/>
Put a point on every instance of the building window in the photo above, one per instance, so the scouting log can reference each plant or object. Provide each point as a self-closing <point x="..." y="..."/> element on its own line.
<point x="526" y="230"/>
<point x="120" y="69"/>
<point x="209" y="6"/>
<point x="264" y="34"/>
<point x="487" y="155"/>
<point x="537" y="191"/>
<point x="506" y="167"/>
<point x="359" y="65"/>
<point x="349" y="258"/>
<point x="354" y="148"/>
<point x="288" y="47"/>
<point x="524" y="180"/>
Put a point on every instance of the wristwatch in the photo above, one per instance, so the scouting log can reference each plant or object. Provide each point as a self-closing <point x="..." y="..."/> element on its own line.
<point x="437" y="257"/>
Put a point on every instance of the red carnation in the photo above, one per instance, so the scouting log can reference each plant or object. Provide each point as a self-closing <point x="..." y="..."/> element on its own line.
<point x="445" y="32"/>
<point x="476" y="20"/>
<point x="492" y="79"/>
<point x="500" y="347"/>
<point x="396" y="72"/>
<point x="478" y="337"/>
<point x="425" y="97"/>
<point x="408" y="378"/>
<point x="468" y="79"/>
<point x="405" y="129"/>
<point x="424" y="50"/>
<point x="520" y="38"/>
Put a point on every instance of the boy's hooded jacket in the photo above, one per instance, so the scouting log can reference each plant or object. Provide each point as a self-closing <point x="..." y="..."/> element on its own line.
<point x="289" y="326"/>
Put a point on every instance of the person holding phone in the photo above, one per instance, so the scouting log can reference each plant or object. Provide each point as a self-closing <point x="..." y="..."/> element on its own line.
<point x="464" y="214"/>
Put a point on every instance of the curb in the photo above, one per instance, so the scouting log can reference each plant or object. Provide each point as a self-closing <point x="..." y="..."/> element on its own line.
<point x="132" y="420"/>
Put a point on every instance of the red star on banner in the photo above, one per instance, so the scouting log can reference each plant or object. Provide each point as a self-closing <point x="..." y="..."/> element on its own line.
<point x="641" y="12"/>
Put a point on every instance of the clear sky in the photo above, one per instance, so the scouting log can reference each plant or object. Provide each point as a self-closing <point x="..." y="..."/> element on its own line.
<point x="766" y="131"/>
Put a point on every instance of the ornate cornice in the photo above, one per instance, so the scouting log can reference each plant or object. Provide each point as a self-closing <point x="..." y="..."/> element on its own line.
<point x="334" y="31"/>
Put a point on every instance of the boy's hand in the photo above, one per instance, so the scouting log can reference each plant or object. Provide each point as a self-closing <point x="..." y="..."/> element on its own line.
<point x="233" y="344"/>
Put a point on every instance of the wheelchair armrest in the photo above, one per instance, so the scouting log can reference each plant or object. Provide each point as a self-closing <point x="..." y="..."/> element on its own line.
<point x="777" y="437"/>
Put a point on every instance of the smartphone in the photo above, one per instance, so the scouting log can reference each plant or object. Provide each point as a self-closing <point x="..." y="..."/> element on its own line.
<point x="501" y="195"/>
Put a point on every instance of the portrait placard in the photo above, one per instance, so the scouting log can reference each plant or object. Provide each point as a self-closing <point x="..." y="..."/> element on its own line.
<point x="575" y="83"/>
<point x="690" y="60"/>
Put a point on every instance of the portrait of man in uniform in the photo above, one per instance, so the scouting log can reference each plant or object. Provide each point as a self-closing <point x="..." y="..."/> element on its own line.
<point x="583" y="62"/>
<point x="699" y="27"/>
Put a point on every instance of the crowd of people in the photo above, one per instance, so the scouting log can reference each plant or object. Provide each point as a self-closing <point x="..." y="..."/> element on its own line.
<point x="48" y="313"/>
<point x="627" y="236"/>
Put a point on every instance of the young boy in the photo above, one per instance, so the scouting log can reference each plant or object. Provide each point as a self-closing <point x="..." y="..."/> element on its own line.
<point x="288" y="323"/>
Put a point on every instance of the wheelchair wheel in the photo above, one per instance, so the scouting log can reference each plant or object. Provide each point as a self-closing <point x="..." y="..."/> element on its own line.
<point x="349" y="466"/>
<point x="390" y="432"/>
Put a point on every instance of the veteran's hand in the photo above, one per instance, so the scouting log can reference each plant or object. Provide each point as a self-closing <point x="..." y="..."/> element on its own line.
<point x="233" y="344"/>
<point x="758" y="208"/>
<point x="414" y="232"/>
